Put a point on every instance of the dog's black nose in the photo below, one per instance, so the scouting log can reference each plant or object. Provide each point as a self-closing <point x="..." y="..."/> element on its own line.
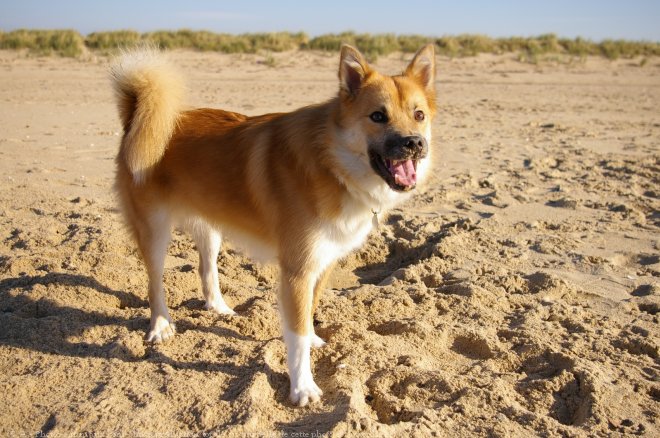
<point x="414" y="142"/>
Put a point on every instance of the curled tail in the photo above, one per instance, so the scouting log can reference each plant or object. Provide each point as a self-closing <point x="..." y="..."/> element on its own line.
<point x="149" y="93"/>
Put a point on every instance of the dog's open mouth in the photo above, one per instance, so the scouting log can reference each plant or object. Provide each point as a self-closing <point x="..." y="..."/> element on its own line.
<point x="400" y="175"/>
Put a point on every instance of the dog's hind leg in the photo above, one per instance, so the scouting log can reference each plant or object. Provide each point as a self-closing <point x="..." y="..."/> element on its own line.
<point x="208" y="241"/>
<point x="153" y="235"/>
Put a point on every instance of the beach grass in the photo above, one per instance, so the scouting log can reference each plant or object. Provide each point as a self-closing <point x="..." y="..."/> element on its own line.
<point x="44" y="42"/>
<point x="70" y="43"/>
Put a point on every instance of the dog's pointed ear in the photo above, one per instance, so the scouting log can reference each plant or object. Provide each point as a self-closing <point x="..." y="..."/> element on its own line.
<point x="422" y="67"/>
<point x="353" y="70"/>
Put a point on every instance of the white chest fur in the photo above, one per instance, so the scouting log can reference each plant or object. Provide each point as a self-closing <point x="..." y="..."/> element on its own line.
<point x="339" y="237"/>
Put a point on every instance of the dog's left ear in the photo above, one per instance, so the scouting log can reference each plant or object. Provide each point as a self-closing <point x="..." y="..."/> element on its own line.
<point x="353" y="70"/>
<point x="422" y="67"/>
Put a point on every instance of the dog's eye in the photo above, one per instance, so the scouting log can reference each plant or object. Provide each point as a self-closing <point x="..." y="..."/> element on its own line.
<point x="378" y="117"/>
<point x="419" y="115"/>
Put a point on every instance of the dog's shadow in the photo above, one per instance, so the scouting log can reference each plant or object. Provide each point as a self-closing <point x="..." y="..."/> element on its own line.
<point x="43" y="325"/>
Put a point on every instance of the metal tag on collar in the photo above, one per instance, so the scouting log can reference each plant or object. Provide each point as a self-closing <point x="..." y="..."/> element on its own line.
<point x="374" y="219"/>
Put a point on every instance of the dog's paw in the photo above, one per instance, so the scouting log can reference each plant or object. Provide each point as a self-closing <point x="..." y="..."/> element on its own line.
<point x="161" y="330"/>
<point x="305" y="392"/>
<point x="219" y="307"/>
<point x="316" y="341"/>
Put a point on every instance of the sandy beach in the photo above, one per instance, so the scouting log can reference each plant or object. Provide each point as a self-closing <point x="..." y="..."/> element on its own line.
<point x="515" y="295"/>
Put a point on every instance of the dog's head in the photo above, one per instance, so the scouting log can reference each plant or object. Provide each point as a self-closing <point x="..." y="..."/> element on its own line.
<point x="385" y="122"/>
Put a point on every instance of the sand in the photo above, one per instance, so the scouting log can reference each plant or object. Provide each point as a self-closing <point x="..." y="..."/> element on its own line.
<point x="516" y="295"/>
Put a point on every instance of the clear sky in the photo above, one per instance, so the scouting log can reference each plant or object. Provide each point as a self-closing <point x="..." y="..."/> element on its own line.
<point x="593" y="19"/>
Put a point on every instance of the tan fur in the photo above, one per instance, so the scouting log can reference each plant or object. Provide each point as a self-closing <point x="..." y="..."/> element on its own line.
<point x="319" y="286"/>
<point x="149" y="94"/>
<point x="298" y="183"/>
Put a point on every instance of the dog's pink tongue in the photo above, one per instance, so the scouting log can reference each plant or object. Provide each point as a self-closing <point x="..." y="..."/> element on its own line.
<point x="404" y="173"/>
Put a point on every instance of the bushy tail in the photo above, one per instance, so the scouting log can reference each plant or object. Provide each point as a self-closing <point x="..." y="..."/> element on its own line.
<point x="149" y="93"/>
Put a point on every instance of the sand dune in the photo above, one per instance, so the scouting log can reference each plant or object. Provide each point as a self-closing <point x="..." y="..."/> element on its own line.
<point x="516" y="295"/>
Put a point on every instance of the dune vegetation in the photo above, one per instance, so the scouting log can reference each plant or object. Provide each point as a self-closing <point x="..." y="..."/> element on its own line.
<point x="70" y="43"/>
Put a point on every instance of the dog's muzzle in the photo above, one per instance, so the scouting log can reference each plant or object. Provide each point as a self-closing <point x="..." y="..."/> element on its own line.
<point x="396" y="160"/>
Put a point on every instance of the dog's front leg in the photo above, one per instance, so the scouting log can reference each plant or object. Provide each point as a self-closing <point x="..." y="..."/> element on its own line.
<point x="296" y="298"/>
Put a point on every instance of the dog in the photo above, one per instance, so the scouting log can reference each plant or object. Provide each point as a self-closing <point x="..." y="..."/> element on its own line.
<point x="303" y="187"/>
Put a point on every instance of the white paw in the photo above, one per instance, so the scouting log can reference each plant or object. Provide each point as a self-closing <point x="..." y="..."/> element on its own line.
<point x="316" y="341"/>
<point x="305" y="392"/>
<point x="161" y="330"/>
<point x="219" y="307"/>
